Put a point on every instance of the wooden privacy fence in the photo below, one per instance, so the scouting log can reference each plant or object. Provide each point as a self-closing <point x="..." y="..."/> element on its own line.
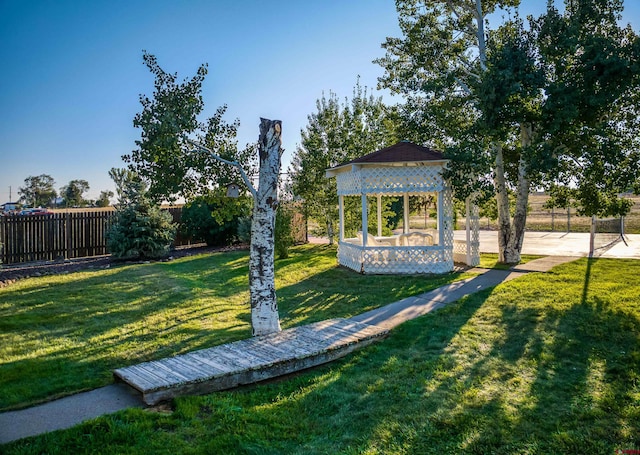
<point x="59" y="236"/>
<point x="72" y="235"/>
<point x="54" y="236"/>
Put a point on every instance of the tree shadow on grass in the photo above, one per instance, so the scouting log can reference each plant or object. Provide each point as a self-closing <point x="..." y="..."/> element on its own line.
<point x="588" y="372"/>
<point x="98" y="321"/>
<point x="485" y="375"/>
<point x="331" y="409"/>
<point x="340" y="292"/>
<point x="557" y="379"/>
<point x="95" y="322"/>
<point x="538" y="365"/>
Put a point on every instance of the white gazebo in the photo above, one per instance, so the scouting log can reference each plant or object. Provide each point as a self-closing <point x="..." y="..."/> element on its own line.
<point x="403" y="169"/>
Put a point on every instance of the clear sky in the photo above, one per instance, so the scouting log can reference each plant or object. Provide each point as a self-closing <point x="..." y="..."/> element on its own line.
<point x="72" y="71"/>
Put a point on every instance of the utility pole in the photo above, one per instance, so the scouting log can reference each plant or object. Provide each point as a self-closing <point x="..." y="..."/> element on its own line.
<point x="10" y="198"/>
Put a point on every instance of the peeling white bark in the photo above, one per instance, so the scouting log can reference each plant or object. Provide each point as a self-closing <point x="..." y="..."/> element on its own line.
<point x="511" y="236"/>
<point x="502" y="198"/>
<point x="512" y="253"/>
<point x="264" y="306"/>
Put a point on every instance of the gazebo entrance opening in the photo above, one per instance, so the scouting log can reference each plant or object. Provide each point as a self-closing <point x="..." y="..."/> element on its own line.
<point x="388" y="219"/>
<point x="402" y="170"/>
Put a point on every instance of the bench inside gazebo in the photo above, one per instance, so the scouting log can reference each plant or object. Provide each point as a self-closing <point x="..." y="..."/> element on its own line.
<point x="402" y="170"/>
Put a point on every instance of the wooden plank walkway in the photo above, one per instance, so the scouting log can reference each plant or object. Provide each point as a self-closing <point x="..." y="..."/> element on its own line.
<point x="248" y="361"/>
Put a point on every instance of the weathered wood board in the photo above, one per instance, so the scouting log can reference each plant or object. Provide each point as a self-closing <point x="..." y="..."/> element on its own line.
<point x="248" y="361"/>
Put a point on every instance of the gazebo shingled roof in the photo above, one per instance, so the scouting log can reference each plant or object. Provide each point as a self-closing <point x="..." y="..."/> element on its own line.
<point x="401" y="152"/>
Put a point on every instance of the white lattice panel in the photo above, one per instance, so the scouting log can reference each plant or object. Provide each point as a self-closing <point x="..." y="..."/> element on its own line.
<point x="459" y="248"/>
<point x="391" y="180"/>
<point x="469" y="253"/>
<point x="350" y="256"/>
<point x="446" y="236"/>
<point x="396" y="260"/>
<point x="348" y="183"/>
<point x="460" y="251"/>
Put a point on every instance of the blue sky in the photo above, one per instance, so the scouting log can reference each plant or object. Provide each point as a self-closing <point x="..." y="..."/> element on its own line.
<point x="72" y="71"/>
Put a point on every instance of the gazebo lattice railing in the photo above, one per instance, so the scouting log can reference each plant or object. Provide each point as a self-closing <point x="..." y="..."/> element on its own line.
<point x="398" y="258"/>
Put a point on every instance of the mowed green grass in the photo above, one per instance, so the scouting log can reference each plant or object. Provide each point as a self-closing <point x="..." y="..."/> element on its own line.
<point x="66" y="333"/>
<point x="545" y="364"/>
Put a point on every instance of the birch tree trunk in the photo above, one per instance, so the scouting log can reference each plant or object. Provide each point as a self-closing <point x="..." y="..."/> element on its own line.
<point x="512" y="254"/>
<point x="511" y="236"/>
<point x="502" y="198"/>
<point x="330" y="231"/>
<point x="262" y="289"/>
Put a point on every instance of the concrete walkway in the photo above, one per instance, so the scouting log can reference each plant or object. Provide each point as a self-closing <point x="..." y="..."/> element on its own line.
<point x="66" y="412"/>
<point x="389" y="316"/>
<point x="559" y="244"/>
<point x="70" y="411"/>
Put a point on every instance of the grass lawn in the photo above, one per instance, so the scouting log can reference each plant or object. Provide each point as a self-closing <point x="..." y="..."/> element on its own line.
<point x="490" y="261"/>
<point x="66" y="333"/>
<point x="547" y="363"/>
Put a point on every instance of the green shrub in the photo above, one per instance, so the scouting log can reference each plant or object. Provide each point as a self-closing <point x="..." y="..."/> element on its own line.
<point x="214" y="218"/>
<point x="244" y="229"/>
<point x="141" y="231"/>
<point x="283" y="235"/>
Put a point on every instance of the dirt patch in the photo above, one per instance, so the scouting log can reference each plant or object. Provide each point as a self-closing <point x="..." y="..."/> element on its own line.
<point x="9" y="274"/>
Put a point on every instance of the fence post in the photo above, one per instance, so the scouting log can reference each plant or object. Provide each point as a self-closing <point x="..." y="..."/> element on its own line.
<point x="3" y="223"/>
<point x="67" y="234"/>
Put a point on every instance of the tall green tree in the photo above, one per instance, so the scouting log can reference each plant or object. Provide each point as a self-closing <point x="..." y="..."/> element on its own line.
<point x="38" y="191"/>
<point x="336" y="133"/>
<point x="163" y="159"/>
<point x="502" y="103"/>
<point x="319" y="149"/>
<point x="104" y="200"/>
<point x="73" y="193"/>
<point x="591" y="118"/>
<point x="128" y="184"/>
<point x="178" y="155"/>
<point x="438" y="65"/>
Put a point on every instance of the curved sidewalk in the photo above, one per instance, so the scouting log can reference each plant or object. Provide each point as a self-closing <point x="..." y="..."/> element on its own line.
<point x="72" y="410"/>
<point x="396" y="313"/>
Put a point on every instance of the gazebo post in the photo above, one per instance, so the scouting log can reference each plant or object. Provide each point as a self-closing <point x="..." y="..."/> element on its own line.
<point x="379" y="215"/>
<point x="405" y="210"/>
<point x="341" y="217"/>
<point x="467" y="223"/>
<point x="365" y="219"/>
<point x="440" y="215"/>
